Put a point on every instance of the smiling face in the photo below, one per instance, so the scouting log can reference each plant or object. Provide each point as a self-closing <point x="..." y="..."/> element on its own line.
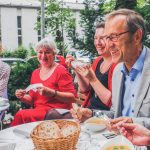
<point x="100" y="44"/>
<point x="45" y="56"/>
<point x="123" y="49"/>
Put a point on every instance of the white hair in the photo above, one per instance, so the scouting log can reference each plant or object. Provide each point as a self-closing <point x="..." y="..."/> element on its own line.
<point x="47" y="43"/>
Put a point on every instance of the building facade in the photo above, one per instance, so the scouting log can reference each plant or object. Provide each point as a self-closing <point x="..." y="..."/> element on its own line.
<point x="18" y="19"/>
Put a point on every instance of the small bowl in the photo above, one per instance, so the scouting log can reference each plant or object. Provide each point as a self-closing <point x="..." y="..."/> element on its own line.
<point x="118" y="140"/>
<point x="95" y="124"/>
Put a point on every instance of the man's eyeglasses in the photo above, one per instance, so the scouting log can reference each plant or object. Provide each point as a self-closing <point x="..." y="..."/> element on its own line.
<point x="115" y="36"/>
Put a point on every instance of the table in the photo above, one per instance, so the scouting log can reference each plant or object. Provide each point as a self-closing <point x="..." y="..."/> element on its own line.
<point x="23" y="143"/>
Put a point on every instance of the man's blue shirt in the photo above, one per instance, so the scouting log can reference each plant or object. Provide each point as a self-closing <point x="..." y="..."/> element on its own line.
<point x="132" y="80"/>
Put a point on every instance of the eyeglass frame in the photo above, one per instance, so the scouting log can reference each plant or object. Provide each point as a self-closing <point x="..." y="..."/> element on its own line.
<point x="116" y="34"/>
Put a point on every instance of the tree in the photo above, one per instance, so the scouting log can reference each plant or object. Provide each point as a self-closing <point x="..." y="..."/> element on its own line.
<point x="143" y="9"/>
<point x="130" y="4"/>
<point x="57" y="16"/>
<point x="92" y="13"/>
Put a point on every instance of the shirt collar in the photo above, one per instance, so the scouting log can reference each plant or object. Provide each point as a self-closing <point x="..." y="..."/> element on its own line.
<point x="137" y="67"/>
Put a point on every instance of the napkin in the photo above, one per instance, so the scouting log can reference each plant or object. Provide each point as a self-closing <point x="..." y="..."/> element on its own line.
<point x="22" y="132"/>
<point x="7" y="146"/>
<point x="33" y="87"/>
<point x="63" y="111"/>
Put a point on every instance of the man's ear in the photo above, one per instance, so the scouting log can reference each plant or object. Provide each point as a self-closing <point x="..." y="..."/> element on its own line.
<point x="138" y="36"/>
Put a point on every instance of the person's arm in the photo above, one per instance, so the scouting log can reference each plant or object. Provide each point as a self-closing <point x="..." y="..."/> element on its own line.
<point x="21" y="94"/>
<point x="136" y="133"/>
<point x="83" y="83"/>
<point x="103" y="93"/>
<point x="61" y="96"/>
<point x="4" y="77"/>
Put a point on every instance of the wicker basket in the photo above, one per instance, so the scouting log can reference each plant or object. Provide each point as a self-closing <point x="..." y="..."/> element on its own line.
<point x="63" y="143"/>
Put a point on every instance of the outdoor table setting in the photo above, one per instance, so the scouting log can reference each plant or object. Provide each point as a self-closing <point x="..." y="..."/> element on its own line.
<point x="18" y="138"/>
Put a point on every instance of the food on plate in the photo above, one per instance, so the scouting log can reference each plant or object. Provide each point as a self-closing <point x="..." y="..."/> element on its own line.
<point x="95" y="120"/>
<point x="118" y="147"/>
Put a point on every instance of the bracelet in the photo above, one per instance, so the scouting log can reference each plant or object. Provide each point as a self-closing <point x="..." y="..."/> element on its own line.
<point x="55" y="94"/>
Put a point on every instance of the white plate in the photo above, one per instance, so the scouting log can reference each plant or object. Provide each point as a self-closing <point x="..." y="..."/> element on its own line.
<point x="119" y="140"/>
<point x="94" y="127"/>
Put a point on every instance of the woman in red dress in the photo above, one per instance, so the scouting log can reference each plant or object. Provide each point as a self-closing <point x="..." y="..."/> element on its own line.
<point x="57" y="90"/>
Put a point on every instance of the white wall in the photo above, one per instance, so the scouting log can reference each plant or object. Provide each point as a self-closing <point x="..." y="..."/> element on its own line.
<point x="29" y="34"/>
<point x="9" y="28"/>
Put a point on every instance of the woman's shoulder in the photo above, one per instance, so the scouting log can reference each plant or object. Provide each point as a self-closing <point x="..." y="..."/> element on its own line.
<point x="60" y="68"/>
<point x="36" y="71"/>
<point x="95" y="62"/>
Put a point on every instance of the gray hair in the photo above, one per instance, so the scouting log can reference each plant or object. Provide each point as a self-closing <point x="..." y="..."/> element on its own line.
<point x="46" y="43"/>
<point x="134" y="20"/>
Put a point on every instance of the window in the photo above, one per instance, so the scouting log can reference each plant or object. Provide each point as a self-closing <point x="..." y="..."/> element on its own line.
<point x="19" y="26"/>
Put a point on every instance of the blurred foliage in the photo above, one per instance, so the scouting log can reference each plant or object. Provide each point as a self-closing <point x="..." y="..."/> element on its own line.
<point x="20" y="75"/>
<point x="57" y="19"/>
<point x="21" y="52"/>
<point x="129" y="4"/>
<point x="92" y="14"/>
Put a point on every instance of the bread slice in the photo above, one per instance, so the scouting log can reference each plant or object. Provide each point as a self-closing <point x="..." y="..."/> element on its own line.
<point x="48" y="129"/>
<point x="67" y="130"/>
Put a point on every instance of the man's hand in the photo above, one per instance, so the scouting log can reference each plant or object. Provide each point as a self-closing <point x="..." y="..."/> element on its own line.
<point x="81" y="114"/>
<point x="136" y="133"/>
<point x="114" y="123"/>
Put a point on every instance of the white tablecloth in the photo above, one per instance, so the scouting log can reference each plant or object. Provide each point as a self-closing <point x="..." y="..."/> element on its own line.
<point x="95" y="141"/>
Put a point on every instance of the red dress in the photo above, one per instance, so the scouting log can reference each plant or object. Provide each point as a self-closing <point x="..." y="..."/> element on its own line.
<point x="60" y="80"/>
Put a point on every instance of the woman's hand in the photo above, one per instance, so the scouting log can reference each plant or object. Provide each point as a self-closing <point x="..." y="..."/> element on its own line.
<point x="81" y="114"/>
<point x="45" y="91"/>
<point x="87" y="72"/>
<point x="136" y="133"/>
<point x="20" y="93"/>
<point x="69" y="59"/>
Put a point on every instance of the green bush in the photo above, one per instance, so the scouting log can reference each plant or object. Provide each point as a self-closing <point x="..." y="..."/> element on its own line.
<point x="21" y="52"/>
<point x="20" y="75"/>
